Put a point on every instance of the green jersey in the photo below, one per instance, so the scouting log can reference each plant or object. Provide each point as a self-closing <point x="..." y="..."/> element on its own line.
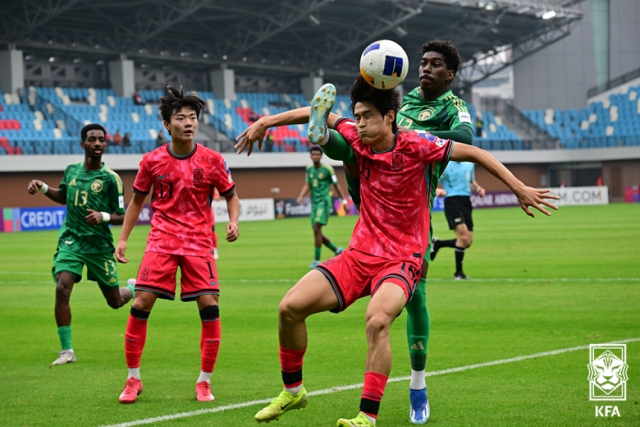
<point x="444" y="113"/>
<point x="100" y="190"/>
<point x="320" y="180"/>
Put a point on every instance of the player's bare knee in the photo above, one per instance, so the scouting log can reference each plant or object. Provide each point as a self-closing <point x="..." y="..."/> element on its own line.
<point x="377" y="323"/>
<point x="63" y="293"/>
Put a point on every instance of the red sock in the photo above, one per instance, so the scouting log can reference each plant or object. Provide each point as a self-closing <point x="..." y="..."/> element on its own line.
<point x="214" y="240"/>
<point x="291" y="366"/>
<point x="135" y="337"/>
<point x="372" y="392"/>
<point x="209" y="344"/>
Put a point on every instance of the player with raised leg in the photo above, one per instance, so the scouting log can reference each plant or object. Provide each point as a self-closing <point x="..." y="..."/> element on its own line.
<point x="318" y="181"/>
<point x="94" y="196"/>
<point x="383" y="260"/>
<point x="183" y="175"/>
<point x="431" y="107"/>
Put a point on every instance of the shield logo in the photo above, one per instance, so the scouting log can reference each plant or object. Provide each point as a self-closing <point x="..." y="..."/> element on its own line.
<point x="144" y="274"/>
<point x="397" y="162"/>
<point x="197" y="176"/>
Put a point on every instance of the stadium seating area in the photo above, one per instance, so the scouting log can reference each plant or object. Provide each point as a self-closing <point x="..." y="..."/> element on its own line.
<point x="495" y="135"/>
<point x="48" y="121"/>
<point x="613" y="123"/>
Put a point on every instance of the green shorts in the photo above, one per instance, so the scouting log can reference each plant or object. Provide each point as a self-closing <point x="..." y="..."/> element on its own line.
<point x="320" y="212"/>
<point x="101" y="268"/>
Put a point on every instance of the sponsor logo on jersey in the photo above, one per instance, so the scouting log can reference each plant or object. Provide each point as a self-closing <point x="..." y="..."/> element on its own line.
<point x="464" y="117"/>
<point x="73" y="182"/>
<point x="426" y="113"/>
<point x="197" y="176"/>
<point x="96" y="186"/>
<point x="397" y="161"/>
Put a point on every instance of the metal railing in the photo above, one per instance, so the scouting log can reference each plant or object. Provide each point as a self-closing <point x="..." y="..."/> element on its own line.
<point x="537" y="138"/>
<point x="613" y="83"/>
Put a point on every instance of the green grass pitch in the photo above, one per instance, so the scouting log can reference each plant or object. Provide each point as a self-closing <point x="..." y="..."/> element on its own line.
<point x="538" y="285"/>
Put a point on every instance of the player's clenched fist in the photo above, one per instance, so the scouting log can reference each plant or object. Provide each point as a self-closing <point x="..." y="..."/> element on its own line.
<point x="34" y="186"/>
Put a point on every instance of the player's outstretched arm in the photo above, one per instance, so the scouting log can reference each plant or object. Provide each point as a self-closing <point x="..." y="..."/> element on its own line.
<point x="130" y="219"/>
<point x="527" y="196"/>
<point x="52" y="193"/>
<point x="233" y="207"/>
<point x="257" y="131"/>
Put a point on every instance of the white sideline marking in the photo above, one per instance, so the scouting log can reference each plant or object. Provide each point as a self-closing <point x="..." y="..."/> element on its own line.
<point x="359" y="385"/>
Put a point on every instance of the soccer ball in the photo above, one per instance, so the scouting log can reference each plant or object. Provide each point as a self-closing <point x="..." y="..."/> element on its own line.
<point x="384" y="64"/>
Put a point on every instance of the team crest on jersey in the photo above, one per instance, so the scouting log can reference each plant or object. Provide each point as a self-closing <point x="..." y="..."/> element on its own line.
<point x="320" y="175"/>
<point x="397" y="161"/>
<point x="197" y="176"/>
<point x="426" y="113"/>
<point x="144" y="274"/>
<point x="96" y="186"/>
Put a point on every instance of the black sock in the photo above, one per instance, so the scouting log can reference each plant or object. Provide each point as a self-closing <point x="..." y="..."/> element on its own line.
<point x="446" y="243"/>
<point x="459" y="256"/>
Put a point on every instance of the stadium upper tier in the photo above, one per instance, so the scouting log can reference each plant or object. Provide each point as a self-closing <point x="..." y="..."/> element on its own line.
<point x="612" y="123"/>
<point x="48" y="121"/>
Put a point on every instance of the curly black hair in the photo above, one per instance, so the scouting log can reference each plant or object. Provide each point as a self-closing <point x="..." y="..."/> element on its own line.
<point x="315" y="148"/>
<point x="447" y="50"/>
<point x="175" y="100"/>
<point x="384" y="100"/>
<point x="93" y="126"/>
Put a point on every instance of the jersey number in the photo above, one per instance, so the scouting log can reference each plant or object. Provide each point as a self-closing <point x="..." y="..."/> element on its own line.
<point x="315" y="182"/>
<point x="110" y="268"/>
<point x="83" y="200"/>
<point x="210" y="270"/>
<point x="169" y="189"/>
<point x="405" y="122"/>
<point x="364" y="170"/>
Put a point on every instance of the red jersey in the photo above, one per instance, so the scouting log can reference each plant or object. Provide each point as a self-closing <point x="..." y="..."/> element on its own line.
<point x="394" y="215"/>
<point x="182" y="194"/>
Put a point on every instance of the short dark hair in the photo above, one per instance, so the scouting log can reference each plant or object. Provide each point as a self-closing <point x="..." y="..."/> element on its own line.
<point x="447" y="50"/>
<point x="383" y="100"/>
<point x="175" y="100"/>
<point x="315" y="148"/>
<point x="93" y="126"/>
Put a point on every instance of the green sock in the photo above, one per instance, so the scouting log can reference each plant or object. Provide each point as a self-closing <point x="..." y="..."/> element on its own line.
<point x="133" y="290"/>
<point x="418" y="327"/>
<point x="317" y="254"/>
<point x="64" y="332"/>
<point x="331" y="246"/>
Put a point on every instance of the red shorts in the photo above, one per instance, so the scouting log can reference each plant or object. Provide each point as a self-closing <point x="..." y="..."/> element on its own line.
<point x="354" y="274"/>
<point x="157" y="274"/>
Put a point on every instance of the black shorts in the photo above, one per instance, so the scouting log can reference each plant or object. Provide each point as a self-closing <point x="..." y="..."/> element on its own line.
<point x="458" y="209"/>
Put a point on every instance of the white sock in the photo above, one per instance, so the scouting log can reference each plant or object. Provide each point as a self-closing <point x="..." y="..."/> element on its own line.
<point x="417" y="380"/>
<point x="294" y="390"/>
<point x="370" y="418"/>
<point x="205" y="376"/>
<point x="134" y="373"/>
<point x="325" y="138"/>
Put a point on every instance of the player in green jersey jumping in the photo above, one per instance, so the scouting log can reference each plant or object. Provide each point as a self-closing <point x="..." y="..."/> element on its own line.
<point x="94" y="196"/>
<point x="319" y="178"/>
<point x="431" y="107"/>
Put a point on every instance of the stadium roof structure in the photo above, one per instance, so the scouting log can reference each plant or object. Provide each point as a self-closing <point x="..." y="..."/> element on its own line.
<point x="285" y="38"/>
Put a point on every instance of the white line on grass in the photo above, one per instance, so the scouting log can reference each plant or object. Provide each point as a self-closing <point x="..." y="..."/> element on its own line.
<point x="359" y="385"/>
<point x="496" y="279"/>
